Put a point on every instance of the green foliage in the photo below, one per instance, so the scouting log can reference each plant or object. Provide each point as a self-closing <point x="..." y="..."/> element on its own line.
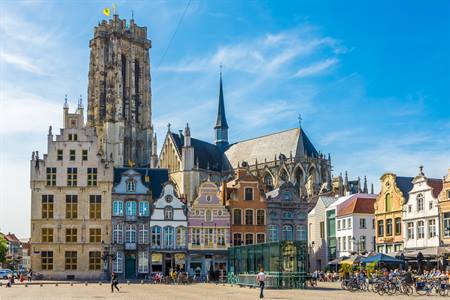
<point x="345" y="268"/>
<point x="3" y="249"/>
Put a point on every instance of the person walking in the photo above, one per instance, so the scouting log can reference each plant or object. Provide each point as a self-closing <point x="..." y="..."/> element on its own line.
<point x="29" y="275"/>
<point x="260" y="278"/>
<point x="114" y="282"/>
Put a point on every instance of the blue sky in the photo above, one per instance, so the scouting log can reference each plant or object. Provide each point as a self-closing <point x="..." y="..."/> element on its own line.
<point x="370" y="79"/>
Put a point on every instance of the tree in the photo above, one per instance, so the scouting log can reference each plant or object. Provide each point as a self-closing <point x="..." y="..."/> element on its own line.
<point x="3" y="249"/>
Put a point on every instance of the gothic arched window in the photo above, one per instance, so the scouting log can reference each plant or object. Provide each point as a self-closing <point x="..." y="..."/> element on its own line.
<point x="268" y="181"/>
<point x="287" y="233"/>
<point x="419" y="202"/>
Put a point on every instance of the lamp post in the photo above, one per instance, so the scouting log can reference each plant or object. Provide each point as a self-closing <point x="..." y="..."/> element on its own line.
<point x="107" y="257"/>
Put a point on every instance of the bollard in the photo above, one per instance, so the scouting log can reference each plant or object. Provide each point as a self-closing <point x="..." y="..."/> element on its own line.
<point x="85" y="283"/>
<point x="41" y="285"/>
<point x="56" y="284"/>
<point x="128" y="282"/>
<point x="142" y="281"/>
<point x="26" y="285"/>
<point x="71" y="284"/>
<point x="99" y="283"/>
<point x="1" y="284"/>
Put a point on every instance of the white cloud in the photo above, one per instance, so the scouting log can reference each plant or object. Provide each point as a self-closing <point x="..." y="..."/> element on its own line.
<point x="21" y="62"/>
<point x="317" y="68"/>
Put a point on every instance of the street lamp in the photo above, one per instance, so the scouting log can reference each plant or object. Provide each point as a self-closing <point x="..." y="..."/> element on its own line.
<point x="107" y="257"/>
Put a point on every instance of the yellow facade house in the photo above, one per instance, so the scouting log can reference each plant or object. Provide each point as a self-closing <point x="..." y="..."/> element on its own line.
<point x="389" y="211"/>
<point x="70" y="203"/>
<point x="444" y="210"/>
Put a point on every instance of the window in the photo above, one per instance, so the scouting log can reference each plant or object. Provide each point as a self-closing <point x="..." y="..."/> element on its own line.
<point x="168" y="237"/>
<point x="143" y="234"/>
<point x="208" y="237"/>
<point x="208" y="198"/>
<point x="130" y="208"/>
<point x="143" y="262"/>
<point x="95" y="206"/>
<point x="248" y="217"/>
<point x="410" y="233"/>
<point x="362" y="223"/>
<point x="84" y="155"/>
<point x="273" y="233"/>
<point x="362" y="243"/>
<point x="260" y="216"/>
<point x="301" y="233"/>
<point x="118" y="208"/>
<point x="71" y="206"/>
<point x="47" y="235"/>
<point x="338" y="224"/>
<point x="287" y="234"/>
<point x="156" y="236"/>
<point x="338" y="243"/>
<point x="47" y="207"/>
<point x="92" y="176"/>
<point x="389" y="227"/>
<point x="349" y="241"/>
<point x="344" y="243"/>
<point x="260" y="238"/>
<point x="248" y="193"/>
<point x="51" y="176"/>
<point x="430" y="205"/>
<point x="420" y="230"/>
<point x="196" y="236"/>
<point x="130" y="233"/>
<point x="398" y="226"/>
<point x="237" y="239"/>
<point x="144" y="209"/>
<point x="47" y="260"/>
<point x="388" y="202"/>
<point x="71" y="260"/>
<point x="431" y="228"/>
<point x="237" y="218"/>
<point x="117" y="265"/>
<point x="373" y="223"/>
<point x="59" y="154"/>
<point x="168" y="213"/>
<point x="419" y="200"/>
<point x="220" y="236"/>
<point x="249" y="238"/>
<point x="72" y="176"/>
<point x="448" y="194"/>
<point x="72" y="126"/>
<point x="181" y="237"/>
<point x="95" y="260"/>
<point x="72" y="155"/>
<point x="131" y="186"/>
<point x="446" y="223"/>
<point x="71" y="235"/>
<point x="349" y="221"/>
<point x="288" y="215"/>
<point x="344" y="224"/>
<point x="208" y="216"/>
<point x="380" y="228"/>
<point x="117" y="233"/>
<point x="95" y="235"/>
<point x="322" y="230"/>
<point x="409" y="208"/>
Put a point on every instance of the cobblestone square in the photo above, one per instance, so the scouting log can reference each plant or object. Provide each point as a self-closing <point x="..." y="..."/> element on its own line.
<point x="194" y="292"/>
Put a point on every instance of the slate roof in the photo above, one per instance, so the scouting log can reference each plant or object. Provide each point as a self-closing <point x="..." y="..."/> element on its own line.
<point x="11" y="237"/>
<point x="293" y="141"/>
<point x="436" y="185"/>
<point x="221" y="121"/>
<point x="357" y="204"/>
<point x="405" y="185"/>
<point x="206" y="154"/>
<point x="157" y="178"/>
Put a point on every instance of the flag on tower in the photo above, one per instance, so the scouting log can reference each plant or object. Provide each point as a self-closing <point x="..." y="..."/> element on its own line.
<point x="106" y="11"/>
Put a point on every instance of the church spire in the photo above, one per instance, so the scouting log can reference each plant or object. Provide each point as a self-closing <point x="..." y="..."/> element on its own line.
<point x="221" y="128"/>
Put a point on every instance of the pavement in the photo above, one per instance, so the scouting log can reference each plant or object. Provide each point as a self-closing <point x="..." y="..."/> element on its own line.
<point x="200" y="291"/>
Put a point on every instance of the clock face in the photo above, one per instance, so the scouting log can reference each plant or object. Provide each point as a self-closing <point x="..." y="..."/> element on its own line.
<point x="169" y="198"/>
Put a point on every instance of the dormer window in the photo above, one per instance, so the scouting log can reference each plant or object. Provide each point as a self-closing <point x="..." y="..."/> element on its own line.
<point x="208" y="216"/>
<point x="73" y="123"/>
<point x="248" y="193"/>
<point x="168" y="213"/>
<point x="419" y="202"/>
<point x="131" y="185"/>
<point x="169" y="198"/>
<point x="286" y="196"/>
<point x="208" y="198"/>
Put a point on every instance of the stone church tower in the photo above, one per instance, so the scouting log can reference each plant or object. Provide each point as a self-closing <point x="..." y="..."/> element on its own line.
<point x="119" y="92"/>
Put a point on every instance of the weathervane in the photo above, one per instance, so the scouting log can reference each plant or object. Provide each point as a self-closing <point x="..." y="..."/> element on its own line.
<point x="299" y="120"/>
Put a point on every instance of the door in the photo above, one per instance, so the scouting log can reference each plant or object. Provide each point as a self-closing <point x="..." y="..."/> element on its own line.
<point x="130" y="266"/>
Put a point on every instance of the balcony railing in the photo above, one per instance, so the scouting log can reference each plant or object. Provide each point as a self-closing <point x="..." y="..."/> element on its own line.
<point x="130" y="246"/>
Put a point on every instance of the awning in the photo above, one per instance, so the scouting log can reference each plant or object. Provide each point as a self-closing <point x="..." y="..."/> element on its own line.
<point x="381" y="258"/>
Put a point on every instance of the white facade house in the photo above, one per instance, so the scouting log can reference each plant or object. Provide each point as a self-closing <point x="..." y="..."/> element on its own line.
<point x="421" y="214"/>
<point x="355" y="225"/>
<point x="168" y="226"/>
<point x="317" y="233"/>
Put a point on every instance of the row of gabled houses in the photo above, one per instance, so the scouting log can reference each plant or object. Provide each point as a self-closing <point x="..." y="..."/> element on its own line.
<point x="408" y="216"/>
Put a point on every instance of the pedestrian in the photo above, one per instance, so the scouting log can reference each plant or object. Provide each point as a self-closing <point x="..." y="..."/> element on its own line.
<point x="114" y="282"/>
<point x="29" y="275"/>
<point x="260" y="280"/>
